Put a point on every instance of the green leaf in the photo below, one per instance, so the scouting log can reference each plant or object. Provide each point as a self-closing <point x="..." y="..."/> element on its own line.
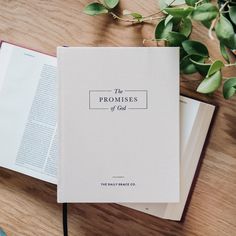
<point x="186" y="66"/>
<point x="175" y="39"/>
<point x="207" y="23"/>
<point x="164" y="3"/>
<point x="195" y="48"/>
<point x="2" y="233"/>
<point x="185" y="27"/>
<point x="191" y="2"/>
<point x="175" y="3"/>
<point x="168" y="19"/>
<point x="95" y="8"/>
<point x="205" y="12"/>
<point x="111" y="3"/>
<point x="224" y="52"/>
<point x="210" y="84"/>
<point x="225" y="32"/>
<point x="179" y="12"/>
<point x="182" y="53"/>
<point x="201" y="67"/>
<point x="234" y="43"/>
<point x="229" y="88"/>
<point x="176" y="22"/>
<point x="232" y="13"/>
<point x="136" y="15"/>
<point x="216" y="66"/>
<point x="162" y="30"/>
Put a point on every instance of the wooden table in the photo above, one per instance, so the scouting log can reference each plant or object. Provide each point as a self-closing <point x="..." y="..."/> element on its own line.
<point x="28" y="206"/>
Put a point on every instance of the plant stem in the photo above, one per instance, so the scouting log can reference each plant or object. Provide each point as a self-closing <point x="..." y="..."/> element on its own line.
<point x="211" y="29"/>
<point x="211" y="59"/>
<point x="143" y="19"/>
<point x="149" y="16"/>
<point x="231" y="64"/>
<point x="153" y="18"/>
<point x="153" y="40"/>
<point x="123" y="19"/>
<point x="196" y="4"/>
<point x="223" y="12"/>
<point x="223" y="6"/>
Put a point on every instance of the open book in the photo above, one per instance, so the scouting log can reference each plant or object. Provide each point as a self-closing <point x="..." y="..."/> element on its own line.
<point x="28" y="124"/>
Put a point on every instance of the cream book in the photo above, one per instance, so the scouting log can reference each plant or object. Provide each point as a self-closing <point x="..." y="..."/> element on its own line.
<point x="40" y="162"/>
<point x="118" y="124"/>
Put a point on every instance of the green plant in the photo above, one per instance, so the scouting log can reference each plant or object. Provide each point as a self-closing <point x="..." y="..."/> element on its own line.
<point x="174" y="27"/>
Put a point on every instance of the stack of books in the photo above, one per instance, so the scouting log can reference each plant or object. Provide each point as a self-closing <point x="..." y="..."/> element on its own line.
<point x="104" y="124"/>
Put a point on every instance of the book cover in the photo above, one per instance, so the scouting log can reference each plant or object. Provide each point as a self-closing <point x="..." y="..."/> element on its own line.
<point x="118" y="124"/>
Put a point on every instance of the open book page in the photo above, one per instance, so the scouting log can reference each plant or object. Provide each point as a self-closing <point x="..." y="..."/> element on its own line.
<point x="195" y="118"/>
<point x="28" y="112"/>
<point x="191" y="156"/>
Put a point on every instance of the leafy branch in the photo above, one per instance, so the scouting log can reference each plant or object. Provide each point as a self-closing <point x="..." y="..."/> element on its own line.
<point x="107" y="6"/>
<point x="174" y="27"/>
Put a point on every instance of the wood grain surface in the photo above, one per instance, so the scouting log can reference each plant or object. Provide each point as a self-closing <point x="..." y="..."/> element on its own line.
<point x="28" y="206"/>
